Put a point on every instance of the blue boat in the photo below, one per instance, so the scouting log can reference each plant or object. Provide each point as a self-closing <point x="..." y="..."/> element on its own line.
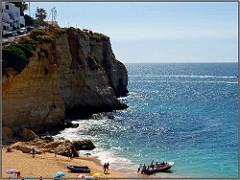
<point x="79" y="169"/>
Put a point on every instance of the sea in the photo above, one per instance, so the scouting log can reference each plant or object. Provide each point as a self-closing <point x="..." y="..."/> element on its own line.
<point x="181" y="112"/>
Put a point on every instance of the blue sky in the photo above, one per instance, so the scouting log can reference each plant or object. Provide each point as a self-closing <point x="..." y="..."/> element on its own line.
<point x="157" y="32"/>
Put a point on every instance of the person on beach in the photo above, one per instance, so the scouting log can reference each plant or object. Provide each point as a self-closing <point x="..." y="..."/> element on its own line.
<point x="139" y="168"/>
<point x="70" y="153"/>
<point x="33" y="152"/>
<point x="143" y="169"/>
<point x="107" y="166"/>
<point x="148" y="167"/>
<point x="152" y="164"/>
<point x="104" y="168"/>
<point x="8" y="149"/>
<point x="18" y="175"/>
<point x="55" y="152"/>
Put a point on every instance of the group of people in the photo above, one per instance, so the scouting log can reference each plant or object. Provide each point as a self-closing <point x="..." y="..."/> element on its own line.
<point x="143" y="168"/>
<point x="106" y="167"/>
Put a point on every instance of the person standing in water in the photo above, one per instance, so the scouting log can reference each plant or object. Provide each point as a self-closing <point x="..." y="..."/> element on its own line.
<point x="152" y="165"/>
<point x="139" y="168"/>
<point x="143" y="169"/>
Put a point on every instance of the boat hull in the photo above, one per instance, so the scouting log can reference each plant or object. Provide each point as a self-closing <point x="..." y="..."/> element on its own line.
<point x="160" y="169"/>
<point x="79" y="169"/>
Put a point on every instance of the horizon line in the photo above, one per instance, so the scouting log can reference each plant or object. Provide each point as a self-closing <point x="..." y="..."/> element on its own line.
<point x="176" y="62"/>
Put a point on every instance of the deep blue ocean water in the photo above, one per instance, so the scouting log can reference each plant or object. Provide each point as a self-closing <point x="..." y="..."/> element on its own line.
<point x="187" y="113"/>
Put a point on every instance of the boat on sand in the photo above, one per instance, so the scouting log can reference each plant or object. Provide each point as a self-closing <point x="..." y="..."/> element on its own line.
<point x="79" y="169"/>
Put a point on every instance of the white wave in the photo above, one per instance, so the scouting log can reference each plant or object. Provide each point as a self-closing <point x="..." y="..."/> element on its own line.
<point x="188" y="76"/>
<point x="111" y="156"/>
<point x="172" y="81"/>
<point x="211" y="82"/>
<point x="200" y="76"/>
<point x="84" y="126"/>
<point x="104" y="155"/>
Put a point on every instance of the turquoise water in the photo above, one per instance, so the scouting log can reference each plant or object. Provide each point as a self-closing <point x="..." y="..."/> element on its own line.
<point x="187" y="113"/>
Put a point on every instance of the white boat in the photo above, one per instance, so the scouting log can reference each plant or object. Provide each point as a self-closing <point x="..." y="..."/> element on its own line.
<point x="162" y="167"/>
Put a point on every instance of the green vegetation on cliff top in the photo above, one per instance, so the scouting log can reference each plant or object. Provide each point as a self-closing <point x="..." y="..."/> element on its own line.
<point x="17" y="54"/>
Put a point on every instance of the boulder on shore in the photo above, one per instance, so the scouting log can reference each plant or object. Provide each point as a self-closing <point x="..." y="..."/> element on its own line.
<point x="25" y="148"/>
<point x="63" y="149"/>
<point x="84" y="145"/>
<point x="47" y="138"/>
<point x="28" y="135"/>
<point x="60" y="147"/>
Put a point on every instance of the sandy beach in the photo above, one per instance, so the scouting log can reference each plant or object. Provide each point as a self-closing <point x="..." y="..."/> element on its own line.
<point x="46" y="165"/>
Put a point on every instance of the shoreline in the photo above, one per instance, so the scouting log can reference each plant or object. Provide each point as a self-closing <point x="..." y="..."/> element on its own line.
<point x="118" y="163"/>
<point x="46" y="165"/>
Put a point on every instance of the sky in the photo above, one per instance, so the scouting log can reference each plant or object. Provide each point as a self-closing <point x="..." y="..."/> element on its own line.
<point x="157" y="32"/>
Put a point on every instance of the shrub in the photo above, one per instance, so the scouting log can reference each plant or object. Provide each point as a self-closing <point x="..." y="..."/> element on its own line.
<point x="41" y="35"/>
<point x="40" y="23"/>
<point x="83" y="34"/>
<point x="13" y="56"/>
<point x="26" y="48"/>
<point x="98" y="36"/>
<point x="38" y="32"/>
<point x="56" y="30"/>
<point x="25" y="40"/>
<point x="16" y="55"/>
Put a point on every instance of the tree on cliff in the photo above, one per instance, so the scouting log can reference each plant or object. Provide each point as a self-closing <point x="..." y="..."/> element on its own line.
<point x="41" y="14"/>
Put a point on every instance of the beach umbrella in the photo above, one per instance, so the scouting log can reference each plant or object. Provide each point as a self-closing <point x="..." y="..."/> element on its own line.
<point x="59" y="174"/>
<point x="97" y="174"/>
<point x="12" y="171"/>
<point x="81" y="176"/>
<point x="89" y="177"/>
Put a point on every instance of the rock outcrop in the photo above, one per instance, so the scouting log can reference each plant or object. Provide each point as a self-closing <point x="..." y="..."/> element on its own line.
<point x="58" y="146"/>
<point x="22" y="146"/>
<point x="7" y="135"/>
<point x="27" y="135"/>
<point x="73" y="74"/>
<point x="83" y="145"/>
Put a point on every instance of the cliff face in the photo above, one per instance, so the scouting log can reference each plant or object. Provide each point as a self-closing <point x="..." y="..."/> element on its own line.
<point x="74" y="75"/>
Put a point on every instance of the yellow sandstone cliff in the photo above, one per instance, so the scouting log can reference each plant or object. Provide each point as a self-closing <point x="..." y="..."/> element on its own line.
<point x="73" y="75"/>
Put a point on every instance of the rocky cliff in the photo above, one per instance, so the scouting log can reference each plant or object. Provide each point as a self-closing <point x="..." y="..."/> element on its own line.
<point x="70" y="73"/>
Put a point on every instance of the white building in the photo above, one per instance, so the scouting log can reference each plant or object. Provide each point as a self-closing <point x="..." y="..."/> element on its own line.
<point x="12" y="17"/>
